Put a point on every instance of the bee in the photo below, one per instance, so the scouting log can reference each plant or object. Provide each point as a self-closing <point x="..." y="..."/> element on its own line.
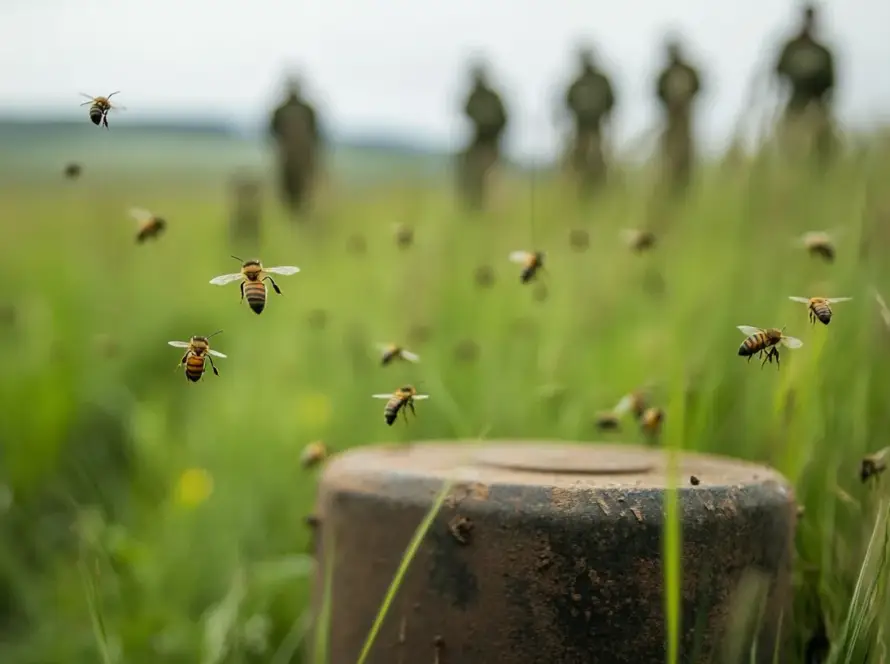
<point x="819" y="244"/>
<point x="73" y="170"/>
<point x="532" y="262"/>
<point x="635" y="402"/>
<point x="819" y="307"/>
<point x="392" y="352"/>
<point x="651" y="421"/>
<point x="252" y="276"/>
<point x="402" y="398"/>
<point x="150" y="226"/>
<point x="313" y="454"/>
<point x="874" y="464"/>
<point x="198" y="350"/>
<point x="99" y="108"/>
<point x="767" y="340"/>
<point x="638" y="240"/>
<point x="608" y="421"/>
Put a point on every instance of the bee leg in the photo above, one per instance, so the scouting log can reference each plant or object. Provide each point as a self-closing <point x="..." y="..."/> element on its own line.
<point x="411" y="406"/>
<point x="213" y="366"/>
<point x="274" y="285"/>
<point x="242" y="291"/>
<point x="181" y="362"/>
<point x="405" y="415"/>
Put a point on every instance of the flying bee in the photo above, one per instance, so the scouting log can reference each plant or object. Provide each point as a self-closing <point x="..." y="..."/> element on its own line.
<point x="638" y="240"/>
<point x="760" y="341"/>
<point x="874" y="464"/>
<point x="532" y="262"/>
<point x="99" y="108"/>
<point x="635" y="402"/>
<point x="252" y="276"/>
<point x="150" y="226"/>
<point x="197" y="352"/>
<point x="651" y="421"/>
<point x="819" y="244"/>
<point x="819" y="307"/>
<point x="402" y="398"/>
<point x="608" y="421"/>
<point x="393" y="352"/>
<point x="313" y="454"/>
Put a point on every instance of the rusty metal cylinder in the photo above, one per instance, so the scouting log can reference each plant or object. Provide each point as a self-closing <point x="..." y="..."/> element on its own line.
<point x="551" y="553"/>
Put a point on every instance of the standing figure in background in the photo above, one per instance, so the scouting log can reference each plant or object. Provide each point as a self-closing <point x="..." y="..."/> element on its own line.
<point x="677" y="88"/>
<point x="806" y="66"/>
<point x="484" y="108"/>
<point x="294" y="127"/>
<point x="246" y="213"/>
<point x="589" y="100"/>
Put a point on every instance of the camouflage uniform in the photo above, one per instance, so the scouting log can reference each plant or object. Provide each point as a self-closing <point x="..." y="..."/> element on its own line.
<point x="294" y="127"/>
<point x="485" y="110"/>
<point x="677" y="87"/>
<point x="808" y="68"/>
<point x="590" y="100"/>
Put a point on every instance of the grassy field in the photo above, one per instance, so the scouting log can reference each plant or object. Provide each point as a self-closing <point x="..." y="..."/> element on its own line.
<point x="167" y="517"/>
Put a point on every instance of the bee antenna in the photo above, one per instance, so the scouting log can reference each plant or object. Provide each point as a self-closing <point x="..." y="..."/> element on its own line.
<point x="237" y="259"/>
<point x="112" y="94"/>
<point x="214" y="334"/>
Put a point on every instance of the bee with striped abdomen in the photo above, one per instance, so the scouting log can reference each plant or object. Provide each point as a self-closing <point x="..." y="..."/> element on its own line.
<point x="150" y="225"/>
<point x="197" y="352"/>
<point x="313" y="454"/>
<point x="532" y="262"/>
<point x="99" y="108"/>
<point x="400" y="400"/>
<point x="634" y="402"/>
<point x="819" y="307"/>
<point x="393" y="352"/>
<point x="638" y="240"/>
<point x="760" y="341"/>
<point x="651" y="421"/>
<point x="874" y="464"/>
<point x="252" y="276"/>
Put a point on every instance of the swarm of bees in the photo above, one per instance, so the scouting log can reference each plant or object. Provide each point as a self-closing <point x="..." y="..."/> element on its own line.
<point x="252" y="277"/>
<point x="99" y="108"/>
<point x="197" y="352"/>
<point x="150" y="225"/>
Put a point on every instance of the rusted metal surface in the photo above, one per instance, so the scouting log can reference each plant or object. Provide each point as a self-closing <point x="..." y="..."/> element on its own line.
<point x="546" y="552"/>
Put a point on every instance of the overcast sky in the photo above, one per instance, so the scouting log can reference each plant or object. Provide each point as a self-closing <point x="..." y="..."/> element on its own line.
<point x="399" y="64"/>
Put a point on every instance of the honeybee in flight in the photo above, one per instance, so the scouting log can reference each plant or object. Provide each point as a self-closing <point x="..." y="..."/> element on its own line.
<point x="874" y="464"/>
<point x="149" y="225"/>
<point x="313" y="454"/>
<point x="651" y="421"/>
<point x="392" y="352"/>
<point x="819" y="244"/>
<point x="400" y="400"/>
<point x="638" y="240"/>
<point x="767" y="340"/>
<point x="532" y="262"/>
<point x="819" y="307"/>
<point x="634" y="402"/>
<point x="252" y="276"/>
<point x="99" y="108"/>
<point x="197" y="352"/>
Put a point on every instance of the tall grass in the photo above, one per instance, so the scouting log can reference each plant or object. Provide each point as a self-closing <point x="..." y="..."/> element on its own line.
<point x="94" y="416"/>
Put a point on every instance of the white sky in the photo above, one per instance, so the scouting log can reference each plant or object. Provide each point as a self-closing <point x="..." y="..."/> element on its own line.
<point x="399" y="64"/>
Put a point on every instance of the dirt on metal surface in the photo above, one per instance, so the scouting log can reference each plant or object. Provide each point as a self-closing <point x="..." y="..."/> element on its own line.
<point x="546" y="552"/>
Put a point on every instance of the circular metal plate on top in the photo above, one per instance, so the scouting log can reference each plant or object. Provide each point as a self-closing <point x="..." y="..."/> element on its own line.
<point x="570" y="459"/>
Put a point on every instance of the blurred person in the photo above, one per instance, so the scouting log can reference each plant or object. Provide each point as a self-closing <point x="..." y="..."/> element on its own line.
<point x="590" y="100"/>
<point x="806" y="66"/>
<point x="678" y="85"/>
<point x="485" y="110"/>
<point x="294" y="127"/>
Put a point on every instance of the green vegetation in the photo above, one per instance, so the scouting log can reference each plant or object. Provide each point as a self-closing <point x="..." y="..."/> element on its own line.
<point x="155" y="520"/>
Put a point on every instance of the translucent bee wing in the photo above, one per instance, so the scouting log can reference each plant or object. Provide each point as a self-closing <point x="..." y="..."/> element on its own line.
<point x="224" y="279"/>
<point x="408" y="355"/>
<point x="623" y="405"/>
<point x="839" y="299"/>
<point x="748" y="329"/>
<point x="139" y="214"/>
<point x="794" y="298"/>
<point x="630" y="235"/>
<point x="382" y="396"/>
<point x="179" y="344"/>
<point x="421" y="396"/>
<point x="283" y="269"/>
<point x="519" y="256"/>
<point x="216" y="353"/>
<point x="792" y="342"/>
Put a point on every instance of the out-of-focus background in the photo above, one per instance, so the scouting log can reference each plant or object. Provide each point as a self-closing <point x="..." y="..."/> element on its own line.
<point x="667" y="158"/>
